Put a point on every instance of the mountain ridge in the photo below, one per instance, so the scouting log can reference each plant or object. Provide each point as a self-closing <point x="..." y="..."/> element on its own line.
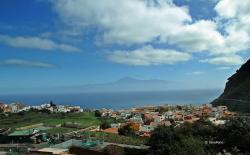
<point x="124" y="84"/>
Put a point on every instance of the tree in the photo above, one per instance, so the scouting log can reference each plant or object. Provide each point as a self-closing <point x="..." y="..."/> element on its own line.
<point x="236" y="135"/>
<point x="189" y="146"/>
<point x="98" y="113"/>
<point x="105" y="124"/>
<point x="52" y="104"/>
<point x="130" y="129"/>
<point x="233" y="137"/>
<point x="168" y="141"/>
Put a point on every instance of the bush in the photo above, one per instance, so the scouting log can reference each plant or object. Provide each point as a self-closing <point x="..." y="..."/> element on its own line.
<point x="191" y="138"/>
<point x="105" y="124"/>
<point x="130" y="129"/>
<point x="98" y="113"/>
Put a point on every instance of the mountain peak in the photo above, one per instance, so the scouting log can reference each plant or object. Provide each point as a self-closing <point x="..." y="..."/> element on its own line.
<point x="127" y="79"/>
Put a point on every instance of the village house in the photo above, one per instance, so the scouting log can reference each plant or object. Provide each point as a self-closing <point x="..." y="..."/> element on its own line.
<point x="115" y="125"/>
<point x="26" y="108"/>
<point x="169" y="115"/>
<point x="16" y="107"/>
<point x="125" y="114"/>
<point x="2" y="106"/>
<point x="137" y="119"/>
<point x="216" y="121"/>
<point x="62" y="109"/>
<point x="146" y="128"/>
<point x="106" y="112"/>
<point x="111" y="130"/>
<point x="159" y="118"/>
<point x="75" y="109"/>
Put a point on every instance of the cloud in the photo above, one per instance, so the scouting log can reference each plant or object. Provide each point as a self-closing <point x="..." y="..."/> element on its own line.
<point x="225" y="60"/>
<point x="196" y="37"/>
<point x="223" y="68"/>
<point x="25" y="63"/>
<point x="148" y="55"/>
<point x="36" y="43"/>
<point x="197" y="73"/>
<point x="234" y="19"/>
<point x="124" y="22"/>
<point x="142" y="21"/>
<point x="232" y="8"/>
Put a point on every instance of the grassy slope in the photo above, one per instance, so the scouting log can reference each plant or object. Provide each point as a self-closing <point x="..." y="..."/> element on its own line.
<point x="16" y="120"/>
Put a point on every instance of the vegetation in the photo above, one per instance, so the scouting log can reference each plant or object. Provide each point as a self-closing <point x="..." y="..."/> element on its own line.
<point x="114" y="138"/>
<point x="118" y="150"/>
<point x="105" y="124"/>
<point x="60" y="130"/>
<point x="107" y="121"/>
<point x="129" y="129"/>
<point x="98" y="113"/>
<point x="85" y="119"/>
<point x="202" y="138"/>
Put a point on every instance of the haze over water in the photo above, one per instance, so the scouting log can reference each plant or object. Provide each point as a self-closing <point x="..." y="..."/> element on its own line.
<point x="118" y="100"/>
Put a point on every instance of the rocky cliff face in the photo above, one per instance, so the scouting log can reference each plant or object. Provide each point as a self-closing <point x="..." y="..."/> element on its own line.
<point x="237" y="91"/>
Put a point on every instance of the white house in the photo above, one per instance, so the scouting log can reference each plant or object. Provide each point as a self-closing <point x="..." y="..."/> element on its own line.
<point x="146" y="128"/>
<point x="169" y="115"/>
<point x="137" y="119"/>
<point x="115" y="125"/>
<point x="159" y="118"/>
<point x="216" y="121"/>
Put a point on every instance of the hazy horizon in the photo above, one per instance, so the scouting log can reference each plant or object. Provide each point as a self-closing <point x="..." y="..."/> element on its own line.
<point x="126" y="84"/>
<point x="190" y="44"/>
<point x="117" y="100"/>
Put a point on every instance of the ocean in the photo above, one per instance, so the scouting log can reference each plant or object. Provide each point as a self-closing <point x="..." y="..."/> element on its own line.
<point x="117" y="100"/>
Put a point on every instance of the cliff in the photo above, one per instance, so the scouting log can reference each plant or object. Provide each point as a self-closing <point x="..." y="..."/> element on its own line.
<point x="236" y="94"/>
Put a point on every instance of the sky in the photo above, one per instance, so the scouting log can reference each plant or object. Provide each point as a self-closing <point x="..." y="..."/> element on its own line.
<point x="195" y="44"/>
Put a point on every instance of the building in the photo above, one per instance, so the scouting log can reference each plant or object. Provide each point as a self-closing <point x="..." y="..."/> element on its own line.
<point x="146" y="128"/>
<point x="111" y="130"/>
<point x="2" y="106"/>
<point x="137" y="119"/>
<point x="159" y="118"/>
<point x="216" y="121"/>
<point x="115" y="125"/>
<point x="16" y="107"/>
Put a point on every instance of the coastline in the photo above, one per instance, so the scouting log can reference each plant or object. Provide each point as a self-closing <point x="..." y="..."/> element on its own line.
<point x="118" y="100"/>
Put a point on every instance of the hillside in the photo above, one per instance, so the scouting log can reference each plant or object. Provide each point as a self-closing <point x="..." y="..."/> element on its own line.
<point x="236" y="94"/>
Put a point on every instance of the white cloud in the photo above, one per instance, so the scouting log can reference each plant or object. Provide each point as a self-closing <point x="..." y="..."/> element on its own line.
<point x="142" y="21"/>
<point x="124" y="21"/>
<point x="199" y="36"/>
<point x="237" y="16"/>
<point x="148" y="55"/>
<point x="25" y="63"/>
<point x="197" y="73"/>
<point x="223" y="68"/>
<point x="233" y="8"/>
<point x="225" y="60"/>
<point x="36" y="43"/>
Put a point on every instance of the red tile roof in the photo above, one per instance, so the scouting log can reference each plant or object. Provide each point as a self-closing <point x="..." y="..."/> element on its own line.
<point x="111" y="130"/>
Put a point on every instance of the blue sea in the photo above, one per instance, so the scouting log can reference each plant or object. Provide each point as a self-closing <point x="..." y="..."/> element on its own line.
<point x="118" y="100"/>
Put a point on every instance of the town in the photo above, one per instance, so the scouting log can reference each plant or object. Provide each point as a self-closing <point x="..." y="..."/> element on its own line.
<point x="60" y="129"/>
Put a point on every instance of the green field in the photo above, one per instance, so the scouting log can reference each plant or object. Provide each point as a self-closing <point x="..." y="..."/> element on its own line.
<point x="13" y="121"/>
<point x="60" y="130"/>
